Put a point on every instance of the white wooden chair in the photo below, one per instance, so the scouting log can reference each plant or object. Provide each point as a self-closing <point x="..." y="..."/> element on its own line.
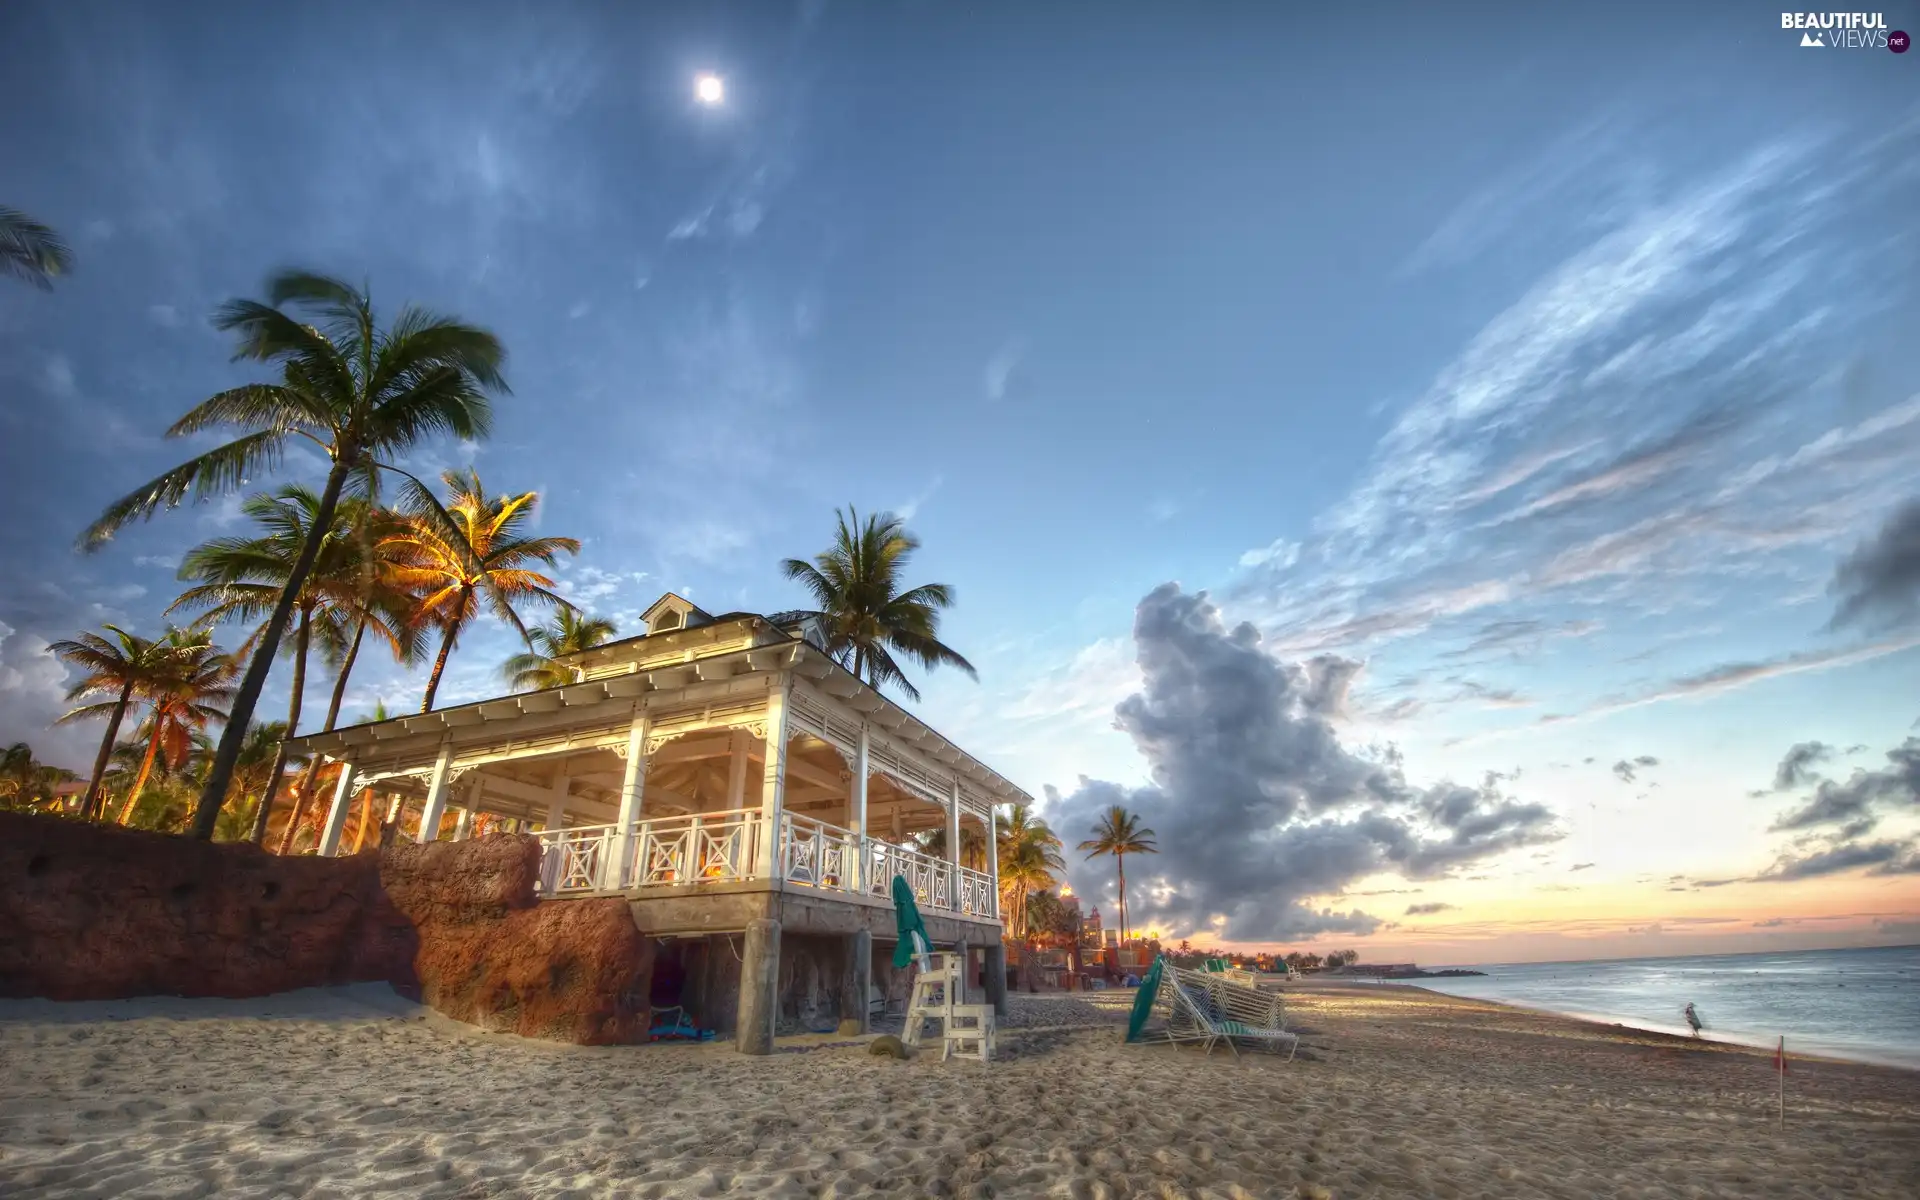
<point x="970" y="1032"/>
<point x="935" y="992"/>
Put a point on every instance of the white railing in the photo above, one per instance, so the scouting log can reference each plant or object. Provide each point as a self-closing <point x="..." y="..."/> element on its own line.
<point x="976" y="894"/>
<point x="724" y="847"/>
<point x="575" y="860"/>
<point x="931" y="879"/>
<point x="816" y="853"/>
<point x="697" y="848"/>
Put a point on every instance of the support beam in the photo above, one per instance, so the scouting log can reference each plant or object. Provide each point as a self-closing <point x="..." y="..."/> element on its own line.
<point x="737" y="769"/>
<point x="857" y="817"/>
<point x="856" y="981"/>
<point x="463" y="827"/>
<point x="337" y="812"/>
<point x="557" y="798"/>
<point x="436" y="794"/>
<point x="964" y="952"/>
<point x="953" y="838"/>
<point x="614" y="871"/>
<point x="773" y="782"/>
<point x="759" y="986"/>
<point x="996" y="972"/>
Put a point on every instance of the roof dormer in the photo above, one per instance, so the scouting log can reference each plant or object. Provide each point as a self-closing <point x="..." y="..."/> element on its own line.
<point x="670" y="613"/>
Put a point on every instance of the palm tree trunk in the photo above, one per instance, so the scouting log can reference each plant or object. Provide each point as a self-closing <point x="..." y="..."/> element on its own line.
<point x="94" y="800"/>
<point x="333" y="715"/>
<point x="366" y="819"/>
<point x="146" y="768"/>
<point x="439" y="667"/>
<point x="1121" y="861"/>
<point x="234" y="736"/>
<point x="302" y="638"/>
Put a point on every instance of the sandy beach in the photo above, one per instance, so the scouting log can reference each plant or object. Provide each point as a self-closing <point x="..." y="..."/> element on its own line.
<point x="1396" y="1092"/>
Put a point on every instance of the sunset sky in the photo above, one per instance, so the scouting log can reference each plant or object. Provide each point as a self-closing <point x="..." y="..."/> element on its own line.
<point x="1437" y="471"/>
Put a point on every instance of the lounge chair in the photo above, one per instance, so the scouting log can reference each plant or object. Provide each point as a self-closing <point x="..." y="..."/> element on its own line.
<point x="1211" y="1010"/>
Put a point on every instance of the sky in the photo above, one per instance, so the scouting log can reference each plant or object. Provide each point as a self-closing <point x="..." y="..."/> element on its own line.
<point x="1455" y="478"/>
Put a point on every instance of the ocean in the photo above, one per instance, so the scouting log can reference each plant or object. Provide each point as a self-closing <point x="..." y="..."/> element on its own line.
<point x="1857" y="1004"/>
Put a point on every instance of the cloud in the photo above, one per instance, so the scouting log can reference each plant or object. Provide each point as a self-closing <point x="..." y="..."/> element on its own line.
<point x="1422" y="910"/>
<point x="1879" y="583"/>
<point x="1258" y="808"/>
<point x="1653" y="930"/>
<point x="1626" y="768"/>
<point x="1795" y="767"/>
<point x="166" y="316"/>
<point x="1580" y="867"/>
<point x="1280" y="553"/>
<point x="911" y="509"/>
<point x="1861" y="798"/>
<point x="997" y="375"/>
<point x="1520" y="636"/>
<point x="1888" y="857"/>
<point x="33" y="688"/>
<point x="1774" y="923"/>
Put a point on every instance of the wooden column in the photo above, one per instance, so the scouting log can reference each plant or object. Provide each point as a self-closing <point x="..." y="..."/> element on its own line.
<point x="773" y="786"/>
<point x="436" y="794"/>
<point x="337" y="812"/>
<point x="463" y="826"/>
<point x="963" y="951"/>
<point x="557" y="804"/>
<point x="857" y="814"/>
<point x="953" y="847"/>
<point x="759" y="986"/>
<point x="737" y="769"/>
<point x="995" y="963"/>
<point x="613" y="872"/>
<point x="856" y="981"/>
<point x="993" y="854"/>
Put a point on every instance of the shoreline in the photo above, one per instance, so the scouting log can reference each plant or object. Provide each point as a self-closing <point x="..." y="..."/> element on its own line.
<point x="1397" y="1091"/>
<point x="1608" y="1022"/>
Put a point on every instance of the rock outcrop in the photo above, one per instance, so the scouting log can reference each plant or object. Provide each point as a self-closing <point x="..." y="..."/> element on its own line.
<point x="99" y="912"/>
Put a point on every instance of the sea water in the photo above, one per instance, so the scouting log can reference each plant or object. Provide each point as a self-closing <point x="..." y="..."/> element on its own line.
<point x="1857" y="1004"/>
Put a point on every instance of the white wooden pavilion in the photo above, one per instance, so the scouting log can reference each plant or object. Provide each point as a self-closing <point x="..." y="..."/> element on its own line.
<point x="726" y="776"/>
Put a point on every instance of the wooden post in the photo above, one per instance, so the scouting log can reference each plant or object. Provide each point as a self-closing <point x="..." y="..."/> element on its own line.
<point x="337" y="813"/>
<point x="993" y="859"/>
<point x="557" y="804"/>
<point x="773" y="781"/>
<point x="963" y="952"/>
<point x="613" y="872"/>
<point x="436" y="794"/>
<point x="737" y="770"/>
<point x="856" y="983"/>
<point x="857" y="872"/>
<point x="995" y="956"/>
<point x="1780" y="1058"/>
<point x="759" y="986"/>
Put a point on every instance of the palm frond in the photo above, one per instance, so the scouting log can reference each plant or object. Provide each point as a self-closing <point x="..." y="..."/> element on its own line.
<point x="31" y="251"/>
<point x="214" y="473"/>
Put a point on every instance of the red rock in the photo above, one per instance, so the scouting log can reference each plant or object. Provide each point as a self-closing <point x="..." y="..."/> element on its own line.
<point x="100" y="912"/>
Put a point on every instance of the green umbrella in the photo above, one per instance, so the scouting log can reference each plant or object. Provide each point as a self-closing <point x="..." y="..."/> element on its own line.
<point x="1143" y="1001"/>
<point x="906" y="920"/>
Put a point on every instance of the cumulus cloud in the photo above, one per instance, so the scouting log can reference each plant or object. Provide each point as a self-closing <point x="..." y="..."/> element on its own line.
<point x="1887" y="857"/>
<point x="1257" y="805"/>
<point x="1862" y="797"/>
<point x="1627" y="767"/>
<point x="33" y="688"/>
<point x="1580" y="867"/>
<point x="1423" y="910"/>
<point x="1879" y="583"/>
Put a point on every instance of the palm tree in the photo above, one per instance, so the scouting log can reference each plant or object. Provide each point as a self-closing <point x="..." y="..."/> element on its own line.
<point x="1029" y="854"/>
<point x="973" y="846"/>
<point x="30" y="250"/>
<point x="123" y="668"/>
<point x="356" y="391"/>
<point x="856" y="584"/>
<point x="26" y="783"/>
<point x="453" y="555"/>
<point x="241" y="578"/>
<point x="569" y="632"/>
<point x="262" y="764"/>
<point x="198" y="674"/>
<point x="1119" y="833"/>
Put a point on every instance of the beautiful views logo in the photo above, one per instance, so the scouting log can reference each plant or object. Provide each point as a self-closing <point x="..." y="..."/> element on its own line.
<point x="1845" y="31"/>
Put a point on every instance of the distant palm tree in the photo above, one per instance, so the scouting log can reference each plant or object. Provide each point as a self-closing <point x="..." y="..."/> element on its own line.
<point x="856" y="585"/>
<point x="356" y="391"/>
<point x="472" y="547"/>
<point x="1029" y="856"/>
<point x="30" y="250"/>
<point x="26" y="783"/>
<point x="262" y="760"/>
<point x="1119" y="833"/>
<point x="198" y="676"/>
<point x="568" y="632"/>
<point x="123" y="667"/>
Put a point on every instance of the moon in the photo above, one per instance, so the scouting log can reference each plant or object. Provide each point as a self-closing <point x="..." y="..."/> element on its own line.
<point x="709" y="89"/>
